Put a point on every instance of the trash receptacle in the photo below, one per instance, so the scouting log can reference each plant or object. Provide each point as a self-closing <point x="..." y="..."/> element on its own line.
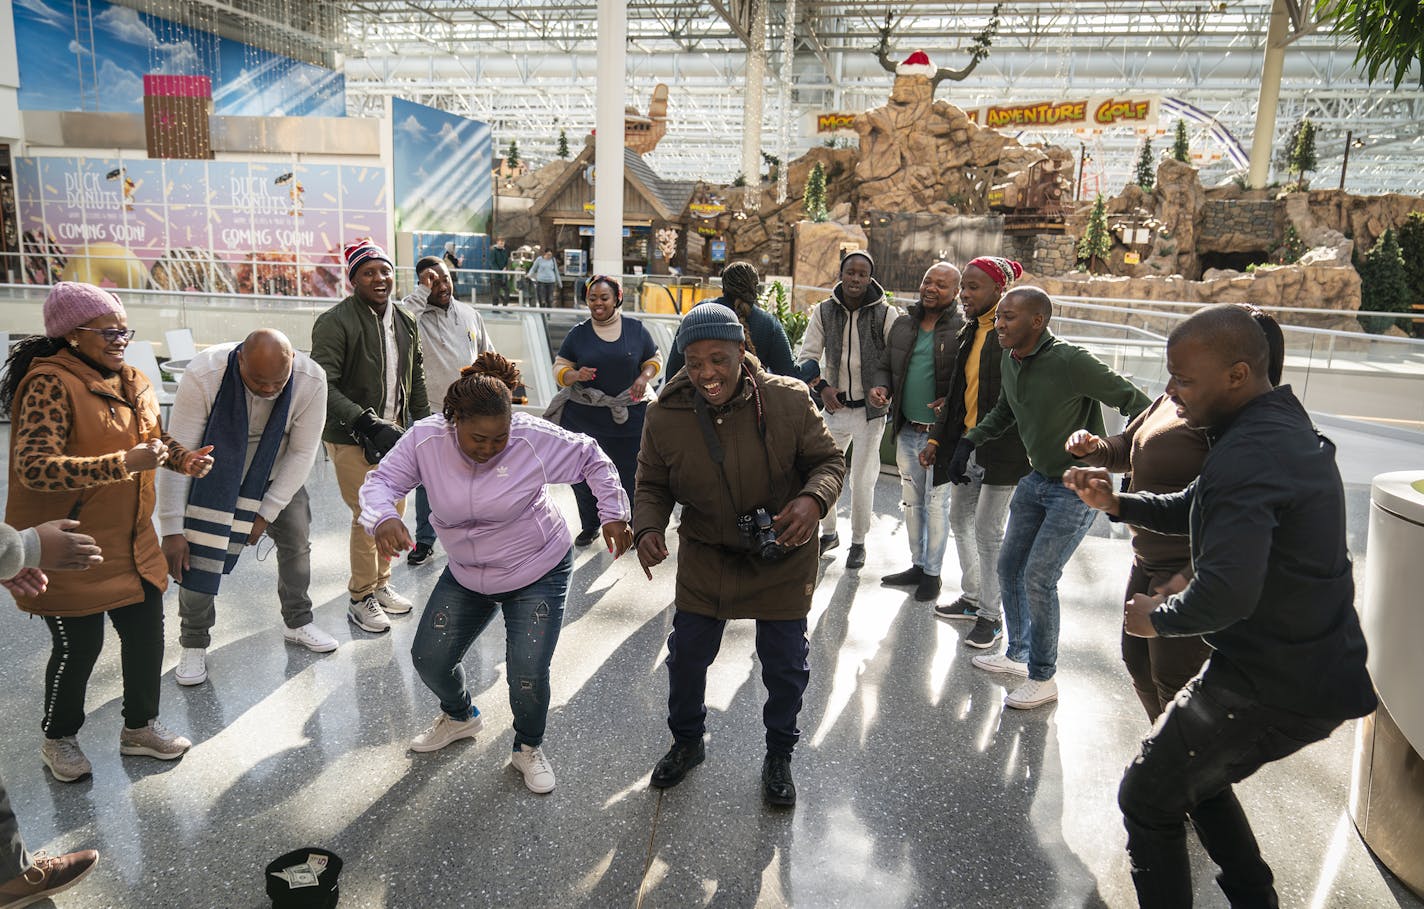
<point x="1387" y="790"/>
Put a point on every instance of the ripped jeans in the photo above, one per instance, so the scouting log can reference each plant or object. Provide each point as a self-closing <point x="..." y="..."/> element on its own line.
<point x="454" y="616"/>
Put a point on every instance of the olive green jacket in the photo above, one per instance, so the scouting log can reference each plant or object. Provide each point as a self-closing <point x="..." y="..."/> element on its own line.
<point x="346" y="342"/>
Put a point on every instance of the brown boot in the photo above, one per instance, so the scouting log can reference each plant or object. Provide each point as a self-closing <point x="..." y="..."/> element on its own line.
<point x="47" y="877"/>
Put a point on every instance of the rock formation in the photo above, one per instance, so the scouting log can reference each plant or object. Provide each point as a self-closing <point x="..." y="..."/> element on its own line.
<point x="919" y="154"/>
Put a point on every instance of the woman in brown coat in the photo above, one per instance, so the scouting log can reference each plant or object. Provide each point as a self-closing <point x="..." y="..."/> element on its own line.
<point x="85" y="439"/>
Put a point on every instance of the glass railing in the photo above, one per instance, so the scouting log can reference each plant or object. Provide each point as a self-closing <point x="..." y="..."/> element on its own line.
<point x="1351" y="374"/>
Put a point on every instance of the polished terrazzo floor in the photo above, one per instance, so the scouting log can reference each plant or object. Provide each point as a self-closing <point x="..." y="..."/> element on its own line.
<point x="917" y="787"/>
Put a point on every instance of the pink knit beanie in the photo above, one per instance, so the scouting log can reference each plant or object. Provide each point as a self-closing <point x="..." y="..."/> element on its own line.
<point x="70" y="304"/>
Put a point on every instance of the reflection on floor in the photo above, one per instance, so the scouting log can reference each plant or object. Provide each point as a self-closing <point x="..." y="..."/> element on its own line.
<point x="917" y="788"/>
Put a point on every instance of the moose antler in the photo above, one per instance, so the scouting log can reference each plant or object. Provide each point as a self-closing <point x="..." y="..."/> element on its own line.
<point x="980" y="50"/>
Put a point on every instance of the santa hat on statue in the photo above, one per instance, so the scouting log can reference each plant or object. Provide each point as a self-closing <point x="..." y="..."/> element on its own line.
<point x="917" y="64"/>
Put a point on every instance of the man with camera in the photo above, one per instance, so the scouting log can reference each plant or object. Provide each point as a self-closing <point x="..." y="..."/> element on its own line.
<point x="755" y="469"/>
<point x="375" y="382"/>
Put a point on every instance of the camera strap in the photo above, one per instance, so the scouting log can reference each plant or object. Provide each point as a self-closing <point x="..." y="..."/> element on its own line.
<point x="714" y="444"/>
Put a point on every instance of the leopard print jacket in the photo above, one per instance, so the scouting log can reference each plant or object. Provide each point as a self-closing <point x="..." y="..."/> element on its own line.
<point x="42" y="423"/>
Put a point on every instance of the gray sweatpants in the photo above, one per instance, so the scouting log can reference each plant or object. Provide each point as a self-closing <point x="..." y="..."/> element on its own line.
<point x="14" y="860"/>
<point x="291" y="531"/>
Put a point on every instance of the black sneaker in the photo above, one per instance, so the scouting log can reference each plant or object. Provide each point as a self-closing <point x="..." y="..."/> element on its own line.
<point x="586" y="537"/>
<point x="928" y="588"/>
<point x="420" y="554"/>
<point x="985" y="633"/>
<point x="675" y="764"/>
<point x="960" y="610"/>
<point x="907" y="578"/>
<point x="829" y="541"/>
<point x="855" y="556"/>
<point x="776" y="783"/>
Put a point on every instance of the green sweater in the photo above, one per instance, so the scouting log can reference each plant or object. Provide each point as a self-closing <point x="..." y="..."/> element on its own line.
<point x="1051" y="393"/>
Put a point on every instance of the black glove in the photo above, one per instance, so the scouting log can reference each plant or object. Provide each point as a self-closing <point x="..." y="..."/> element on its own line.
<point x="959" y="462"/>
<point x="377" y="436"/>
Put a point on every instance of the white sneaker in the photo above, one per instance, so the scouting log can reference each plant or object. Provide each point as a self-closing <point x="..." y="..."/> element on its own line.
<point x="447" y="729"/>
<point x="368" y="615"/>
<point x="1033" y="693"/>
<point x="192" y="668"/>
<point x="392" y="602"/>
<point x="538" y="773"/>
<point x="999" y="662"/>
<point x="310" y="637"/>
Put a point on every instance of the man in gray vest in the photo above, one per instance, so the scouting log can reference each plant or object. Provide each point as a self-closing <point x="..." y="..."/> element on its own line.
<point x="842" y="358"/>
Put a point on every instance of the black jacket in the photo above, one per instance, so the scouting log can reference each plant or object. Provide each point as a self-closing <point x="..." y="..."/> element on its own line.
<point x="1273" y="591"/>
<point x="903" y="334"/>
<point x="1004" y="460"/>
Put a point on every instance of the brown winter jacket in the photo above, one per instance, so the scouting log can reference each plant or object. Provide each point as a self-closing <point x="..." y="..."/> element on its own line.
<point x="70" y="428"/>
<point x="715" y="576"/>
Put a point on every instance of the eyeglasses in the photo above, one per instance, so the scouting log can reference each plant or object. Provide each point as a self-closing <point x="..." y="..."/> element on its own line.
<point x="113" y="335"/>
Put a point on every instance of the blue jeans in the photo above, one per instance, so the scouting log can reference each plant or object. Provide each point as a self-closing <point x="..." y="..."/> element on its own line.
<point x="424" y="533"/>
<point x="926" y="505"/>
<point x="1047" y="521"/>
<point x="454" y="616"/>
<point x="976" y="516"/>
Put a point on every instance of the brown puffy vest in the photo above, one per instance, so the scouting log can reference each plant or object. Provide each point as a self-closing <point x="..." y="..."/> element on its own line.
<point x="106" y="416"/>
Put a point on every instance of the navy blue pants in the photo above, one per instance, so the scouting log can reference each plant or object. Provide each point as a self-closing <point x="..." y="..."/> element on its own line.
<point x="781" y="648"/>
<point x="623" y="452"/>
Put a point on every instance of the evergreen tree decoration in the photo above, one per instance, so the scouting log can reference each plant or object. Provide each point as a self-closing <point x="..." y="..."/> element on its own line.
<point x="1146" y="173"/>
<point x="1291" y="249"/>
<point x="1097" y="241"/>
<point x="1384" y="284"/>
<point x="1181" y="149"/>
<point x="1411" y="246"/>
<point x="814" y="201"/>
<point x="563" y="145"/>
<point x="511" y="158"/>
<point x="1300" y="158"/>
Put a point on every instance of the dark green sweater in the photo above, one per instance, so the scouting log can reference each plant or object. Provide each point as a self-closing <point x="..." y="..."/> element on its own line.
<point x="1051" y="393"/>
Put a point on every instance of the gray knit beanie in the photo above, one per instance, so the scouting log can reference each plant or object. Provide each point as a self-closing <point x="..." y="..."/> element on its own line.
<point x="709" y="321"/>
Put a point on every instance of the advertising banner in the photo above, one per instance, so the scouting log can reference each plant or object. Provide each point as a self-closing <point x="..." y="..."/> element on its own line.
<point x="93" y="55"/>
<point x="271" y="227"/>
<point x="442" y="170"/>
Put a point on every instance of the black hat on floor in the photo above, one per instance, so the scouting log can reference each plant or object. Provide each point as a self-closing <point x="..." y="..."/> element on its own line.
<point x="304" y="879"/>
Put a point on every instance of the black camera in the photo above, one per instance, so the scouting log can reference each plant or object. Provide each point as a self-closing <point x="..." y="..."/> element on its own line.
<point x="759" y="536"/>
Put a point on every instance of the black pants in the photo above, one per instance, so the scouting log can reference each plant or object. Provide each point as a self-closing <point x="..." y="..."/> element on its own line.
<point x="781" y="647"/>
<point x="623" y="452"/>
<point x="1208" y="739"/>
<point x="1160" y="667"/>
<point x="77" y="643"/>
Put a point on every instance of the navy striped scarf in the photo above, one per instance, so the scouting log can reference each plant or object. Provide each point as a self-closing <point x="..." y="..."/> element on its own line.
<point x="223" y="505"/>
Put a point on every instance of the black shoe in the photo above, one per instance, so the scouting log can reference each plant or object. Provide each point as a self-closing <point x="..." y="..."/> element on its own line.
<point x="907" y="578"/>
<point x="855" y="556"/>
<point x="984" y="634"/>
<point x="675" y="764"/>
<point x="928" y="588"/>
<point x="960" y="610"/>
<point x="586" y="537"/>
<point x="420" y="554"/>
<point x="776" y="784"/>
<point x="829" y="541"/>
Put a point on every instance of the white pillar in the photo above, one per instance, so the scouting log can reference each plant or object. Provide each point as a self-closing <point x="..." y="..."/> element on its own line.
<point x="1269" y="99"/>
<point x="783" y="94"/>
<point x="751" y="105"/>
<point x="608" y="144"/>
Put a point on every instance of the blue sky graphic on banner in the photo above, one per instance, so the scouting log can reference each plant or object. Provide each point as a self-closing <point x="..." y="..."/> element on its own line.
<point x="91" y="55"/>
<point x="441" y="173"/>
